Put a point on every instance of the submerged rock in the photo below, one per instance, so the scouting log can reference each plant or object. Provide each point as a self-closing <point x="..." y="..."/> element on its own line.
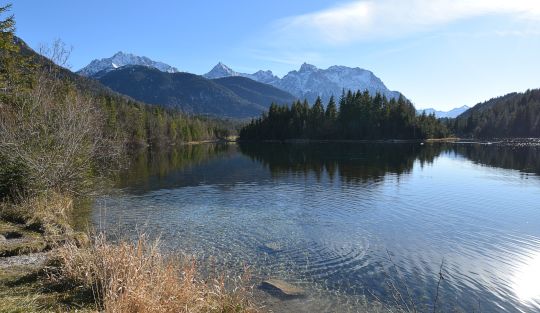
<point x="273" y="246"/>
<point x="282" y="287"/>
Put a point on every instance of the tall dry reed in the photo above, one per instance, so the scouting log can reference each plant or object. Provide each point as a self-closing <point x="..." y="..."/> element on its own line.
<point x="137" y="277"/>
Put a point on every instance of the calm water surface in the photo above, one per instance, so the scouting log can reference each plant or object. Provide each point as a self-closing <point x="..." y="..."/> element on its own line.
<point x="334" y="218"/>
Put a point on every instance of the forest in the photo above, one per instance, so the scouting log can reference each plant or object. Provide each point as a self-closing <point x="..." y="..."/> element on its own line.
<point x="357" y="116"/>
<point x="515" y="115"/>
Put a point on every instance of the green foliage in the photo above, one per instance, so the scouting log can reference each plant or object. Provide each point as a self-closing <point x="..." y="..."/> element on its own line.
<point x="7" y="46"/>
<point x="7" y="27"/>
<point x="513" y="115"/>
<point x="13" y="177"/>
<point x="360" y="117"/>
<point x="140" y="125"/>
<point x="331" y="110"/>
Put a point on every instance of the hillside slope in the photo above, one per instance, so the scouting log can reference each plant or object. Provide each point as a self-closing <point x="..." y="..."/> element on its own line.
<point x="512" y="115"/>
<point x="229" y="97"/>
<point x="132" y="121"/>
<point x="255" y="92"/>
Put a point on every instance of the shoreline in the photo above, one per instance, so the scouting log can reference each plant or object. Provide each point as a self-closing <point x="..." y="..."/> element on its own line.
<point x="302" y="141"/>
<point x="385" y="141"/>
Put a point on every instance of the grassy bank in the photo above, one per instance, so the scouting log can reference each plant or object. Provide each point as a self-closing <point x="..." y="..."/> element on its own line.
<point x="32" y="232"/>
<point x="46" y="266"/>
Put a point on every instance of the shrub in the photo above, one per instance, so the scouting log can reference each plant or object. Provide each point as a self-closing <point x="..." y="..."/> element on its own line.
<point x="13" y="177"/>
<point x="51" y="138"/>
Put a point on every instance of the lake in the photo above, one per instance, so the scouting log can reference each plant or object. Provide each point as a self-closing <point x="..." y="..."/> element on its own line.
<point x="348" y="222"/>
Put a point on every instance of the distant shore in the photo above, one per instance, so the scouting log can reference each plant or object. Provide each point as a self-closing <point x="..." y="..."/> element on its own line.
<point x="450" y="139"/>
<point x="506" y="141"/>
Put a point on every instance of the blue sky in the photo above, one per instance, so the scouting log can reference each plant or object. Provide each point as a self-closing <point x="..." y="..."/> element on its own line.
<point x="439" y="53"/>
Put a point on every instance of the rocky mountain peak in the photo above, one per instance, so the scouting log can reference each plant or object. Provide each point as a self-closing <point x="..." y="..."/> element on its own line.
<point x="119" y="59"/>
<point x="220" y="70"/>
<point x="307" y="67"/>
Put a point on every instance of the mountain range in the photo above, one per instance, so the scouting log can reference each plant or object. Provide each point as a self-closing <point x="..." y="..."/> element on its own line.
<point x="221" y="70"/>
<point x="512" y="115"/>
<point x="225" y="92"/>
<point x="119" y="59"/>
<point x="310" y="82"/>
<point x="455" y="112"/>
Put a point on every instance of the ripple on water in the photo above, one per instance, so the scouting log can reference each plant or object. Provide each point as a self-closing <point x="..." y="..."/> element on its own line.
<point x="330" y="234"/>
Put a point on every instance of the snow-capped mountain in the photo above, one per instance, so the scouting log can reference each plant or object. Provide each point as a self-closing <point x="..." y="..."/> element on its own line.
<point x="221" y="70"/>
<point x="455" y="112"/>
<point x="266" y="77"/>
<point x="122" y="59"/>
<point x="309" y="82"/>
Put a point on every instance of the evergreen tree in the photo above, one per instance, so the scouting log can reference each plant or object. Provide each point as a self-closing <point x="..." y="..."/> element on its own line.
<point x="512" y="115"/>
<point x="361" y="116"/>
<point x="331" y="110"/>
<point x="8" y="48"/>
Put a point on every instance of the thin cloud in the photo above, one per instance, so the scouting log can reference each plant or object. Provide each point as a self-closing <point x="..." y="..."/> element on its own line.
<point x="367" y="19"/>
<point x="285" y="57"/>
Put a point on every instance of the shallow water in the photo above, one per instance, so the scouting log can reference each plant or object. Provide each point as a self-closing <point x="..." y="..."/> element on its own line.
<point x="345" y="220"/>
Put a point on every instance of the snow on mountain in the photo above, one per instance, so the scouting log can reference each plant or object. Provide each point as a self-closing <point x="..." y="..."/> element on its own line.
<point x="221" y="70"/>
<point x="309" y="82"/>
<point x="266" y="77"/>
<point x="442" y="114"/>
<point x="122" y="59"/>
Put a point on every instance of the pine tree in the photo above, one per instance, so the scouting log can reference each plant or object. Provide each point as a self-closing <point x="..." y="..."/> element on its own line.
<point x="361" y="116"/>
<point x="7" y="47"/>
<point x="317" y="112"/>
<point x="7" y="28"/>
<point x="331" y="110"/>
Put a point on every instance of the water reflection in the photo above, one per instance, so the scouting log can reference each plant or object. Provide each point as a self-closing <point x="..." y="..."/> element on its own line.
<point x="151" y="169"/>
<point x="521" y="158"/>
<point x="362" y="162"/>
<point x="352" y="162"/>
<point x="335" y="209"/>
<point x="355" y="163"/>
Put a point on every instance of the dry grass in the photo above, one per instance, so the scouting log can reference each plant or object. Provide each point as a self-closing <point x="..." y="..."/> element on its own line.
<point x="137" y="277"/>
<point x="47" y="213"/>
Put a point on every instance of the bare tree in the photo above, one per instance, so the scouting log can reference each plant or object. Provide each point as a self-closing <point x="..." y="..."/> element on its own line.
<point x="54" y="132"/>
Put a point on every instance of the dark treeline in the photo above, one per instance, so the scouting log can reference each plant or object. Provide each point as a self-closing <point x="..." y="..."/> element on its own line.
<point x="510" y="116"/>
<point x="357" y="116"/>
